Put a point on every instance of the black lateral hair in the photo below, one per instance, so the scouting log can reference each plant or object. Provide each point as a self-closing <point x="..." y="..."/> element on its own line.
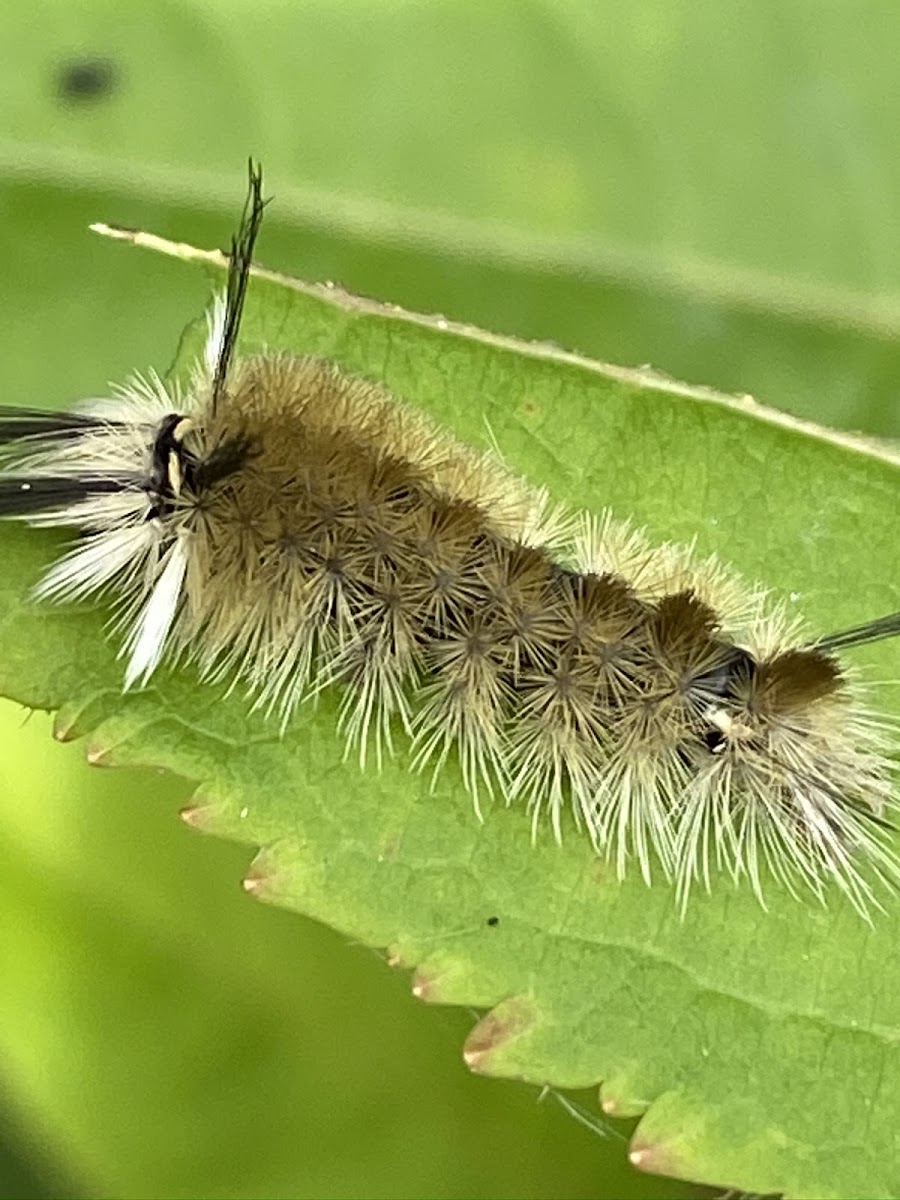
<point x="872" y="631"/>
<point x="25" y="495"/>
<point x="40" y="425"/>
<point x="240" y="262"/>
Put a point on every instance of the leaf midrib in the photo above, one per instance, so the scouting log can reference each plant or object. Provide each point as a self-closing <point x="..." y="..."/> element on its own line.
<point x="489" y="241"/>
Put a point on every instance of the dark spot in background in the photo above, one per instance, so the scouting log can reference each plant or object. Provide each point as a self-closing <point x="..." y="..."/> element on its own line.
<point x="85" y="80"/>
<point x="493" y="920"/>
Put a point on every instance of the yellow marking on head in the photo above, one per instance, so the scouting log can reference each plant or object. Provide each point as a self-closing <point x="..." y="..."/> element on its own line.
<point x="722" y="720"/>
<point x="176" y="477"/>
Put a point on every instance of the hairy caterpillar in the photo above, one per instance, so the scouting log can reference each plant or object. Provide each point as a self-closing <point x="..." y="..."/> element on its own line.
<point x="284" y="524"/>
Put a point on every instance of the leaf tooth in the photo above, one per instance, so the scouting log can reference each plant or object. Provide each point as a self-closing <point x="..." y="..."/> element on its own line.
<point x="67" y="723"/>
<point x="264" y="879"/>
<point x="100" y="753"/>
<point x="616" y="1100"/>
<point x="202" y="817"/>
<point x="426" y="987"/>
<point x="253" y="884"/>
<point x="653" y="1157"/>
<point x="214" y="812"/>
<point x="503" y="1024"/>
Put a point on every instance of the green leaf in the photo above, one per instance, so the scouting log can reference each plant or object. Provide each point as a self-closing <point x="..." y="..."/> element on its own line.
<point x="709" y="188"/>
<point x="759" y="1045"/>
<point x="165" y="1037"/>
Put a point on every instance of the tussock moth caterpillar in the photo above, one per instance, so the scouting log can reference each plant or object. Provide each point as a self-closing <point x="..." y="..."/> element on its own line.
<point x="284" y="524"/>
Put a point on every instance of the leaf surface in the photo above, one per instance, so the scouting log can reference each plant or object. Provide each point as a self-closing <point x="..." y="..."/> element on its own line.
<point x="709" y="189"/>
<point x="760" y="1045"/>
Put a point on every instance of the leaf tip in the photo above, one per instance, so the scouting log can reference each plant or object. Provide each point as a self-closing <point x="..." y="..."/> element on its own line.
<point x="117" y="232"/>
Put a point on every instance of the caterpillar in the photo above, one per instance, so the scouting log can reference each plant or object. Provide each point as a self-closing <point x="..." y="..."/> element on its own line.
<point x="282" y="524"/>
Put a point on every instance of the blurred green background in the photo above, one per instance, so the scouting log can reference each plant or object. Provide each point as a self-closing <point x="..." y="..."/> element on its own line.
<point x="710" y="188"/>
